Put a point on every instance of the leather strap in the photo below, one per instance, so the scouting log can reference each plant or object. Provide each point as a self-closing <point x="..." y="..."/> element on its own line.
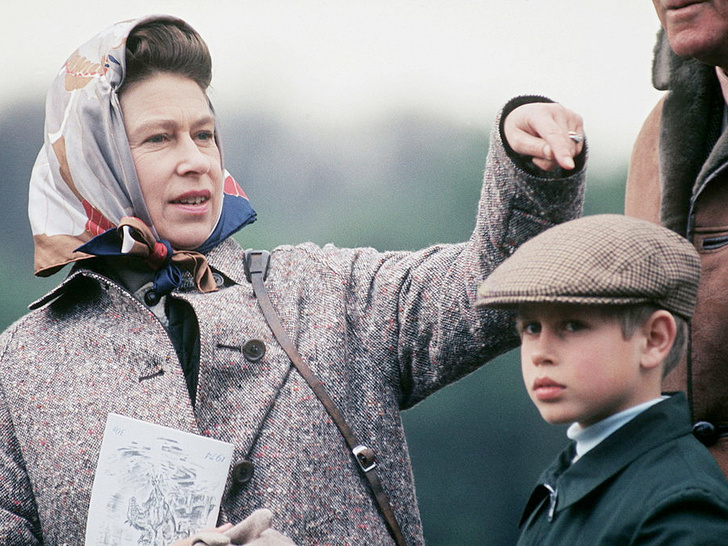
<point x="256" y="271"/>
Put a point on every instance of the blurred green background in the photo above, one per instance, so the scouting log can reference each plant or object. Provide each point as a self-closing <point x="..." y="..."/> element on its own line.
<point x="402" y="182"/>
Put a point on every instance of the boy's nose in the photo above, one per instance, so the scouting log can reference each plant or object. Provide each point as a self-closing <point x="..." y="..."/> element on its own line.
<point x="541" y="351"/>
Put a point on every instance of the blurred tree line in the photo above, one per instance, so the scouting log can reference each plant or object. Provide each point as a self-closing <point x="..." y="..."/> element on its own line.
<point x="404" y="182"/>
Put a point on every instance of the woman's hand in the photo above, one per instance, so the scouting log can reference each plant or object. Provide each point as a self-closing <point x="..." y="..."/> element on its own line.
<point x="220" y="530"/>
<point x="255" y="530"/>
<point x="547" y="132"/>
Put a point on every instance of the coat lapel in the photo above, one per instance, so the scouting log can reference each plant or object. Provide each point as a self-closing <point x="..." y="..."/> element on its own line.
<point x="232" y="383"/>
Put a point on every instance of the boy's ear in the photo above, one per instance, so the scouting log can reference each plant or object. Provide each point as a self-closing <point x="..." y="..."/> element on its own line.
<point x="659" y="330"/>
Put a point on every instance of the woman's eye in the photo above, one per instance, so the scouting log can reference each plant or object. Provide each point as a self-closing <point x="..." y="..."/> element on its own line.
<point x="156" y="139"/>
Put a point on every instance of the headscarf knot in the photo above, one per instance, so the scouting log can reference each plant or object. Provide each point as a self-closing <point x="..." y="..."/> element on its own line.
<point x="132" y="237"/>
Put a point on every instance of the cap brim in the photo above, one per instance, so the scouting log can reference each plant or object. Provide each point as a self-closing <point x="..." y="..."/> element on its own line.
<point x="512" y="301"/>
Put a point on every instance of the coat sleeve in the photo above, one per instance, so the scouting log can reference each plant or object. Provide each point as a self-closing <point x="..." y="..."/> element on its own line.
<point x="19" y="524"/>
<point x="412" y="312"/>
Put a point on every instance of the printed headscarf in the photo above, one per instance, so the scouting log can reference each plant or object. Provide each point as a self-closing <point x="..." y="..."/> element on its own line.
<point x="85" y="198"/>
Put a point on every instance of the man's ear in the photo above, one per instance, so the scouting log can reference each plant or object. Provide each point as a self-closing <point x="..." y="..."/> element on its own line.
<point x="659" y="332"/>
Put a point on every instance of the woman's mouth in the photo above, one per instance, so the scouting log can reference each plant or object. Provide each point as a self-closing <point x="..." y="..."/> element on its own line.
<point x="192" y="199"/>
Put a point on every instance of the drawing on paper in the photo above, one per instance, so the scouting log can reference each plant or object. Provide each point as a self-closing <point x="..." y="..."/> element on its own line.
<point x="154" y="485"/>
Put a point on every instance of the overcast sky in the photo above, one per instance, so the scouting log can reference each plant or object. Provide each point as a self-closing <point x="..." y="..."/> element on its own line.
<point x="341" y="61"/>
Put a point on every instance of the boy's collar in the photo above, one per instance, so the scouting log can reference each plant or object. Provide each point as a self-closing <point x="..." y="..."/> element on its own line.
<point x="588" y="438"/>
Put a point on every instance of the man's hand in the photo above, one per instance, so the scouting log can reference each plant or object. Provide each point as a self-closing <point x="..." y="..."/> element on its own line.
<point x="547" y="132"/>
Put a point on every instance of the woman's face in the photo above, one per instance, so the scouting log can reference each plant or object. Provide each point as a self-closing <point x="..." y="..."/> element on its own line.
<point x="171" y="133"/>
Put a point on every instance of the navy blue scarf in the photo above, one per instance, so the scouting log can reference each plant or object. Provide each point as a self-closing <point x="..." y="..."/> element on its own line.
<point x="169" y="263"/>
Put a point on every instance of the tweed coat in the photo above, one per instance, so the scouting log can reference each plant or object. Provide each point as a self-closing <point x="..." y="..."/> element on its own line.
<point x="679" y="178"/>
<point x="650" y="482"/>
<point x="382" y="329"/>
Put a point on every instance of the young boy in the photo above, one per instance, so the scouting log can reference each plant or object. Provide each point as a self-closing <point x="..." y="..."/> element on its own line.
<point x="602" y="305"/>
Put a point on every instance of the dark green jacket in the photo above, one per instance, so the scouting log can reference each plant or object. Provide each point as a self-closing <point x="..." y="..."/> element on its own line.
<point x="650" y="482"/>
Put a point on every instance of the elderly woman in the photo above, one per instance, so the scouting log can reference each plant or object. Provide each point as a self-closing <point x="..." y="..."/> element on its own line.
<point x="158" y="321"/>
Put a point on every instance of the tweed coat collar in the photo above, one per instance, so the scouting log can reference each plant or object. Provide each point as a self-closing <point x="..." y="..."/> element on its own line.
<point x="223" y="258"/>
<point x="218" y="333"/>
<point x="221" y="335"/>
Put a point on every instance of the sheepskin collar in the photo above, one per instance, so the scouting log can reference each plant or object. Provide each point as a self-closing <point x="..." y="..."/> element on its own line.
<point x="691" y="126"/>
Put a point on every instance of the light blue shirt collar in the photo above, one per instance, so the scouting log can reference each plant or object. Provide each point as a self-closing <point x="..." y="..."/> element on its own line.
<point x="588" y="438"/>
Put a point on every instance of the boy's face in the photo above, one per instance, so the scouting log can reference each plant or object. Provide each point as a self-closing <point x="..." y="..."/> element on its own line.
<point x="577" y="366"/>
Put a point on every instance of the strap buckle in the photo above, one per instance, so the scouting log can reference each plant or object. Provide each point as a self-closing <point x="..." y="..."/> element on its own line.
<point x="365" y="457"/>
<point x="256" y="261"/>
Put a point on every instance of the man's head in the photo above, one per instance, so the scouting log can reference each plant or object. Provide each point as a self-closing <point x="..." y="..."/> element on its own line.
<point x="600" y="302"/>
<point x="696" y="28"/>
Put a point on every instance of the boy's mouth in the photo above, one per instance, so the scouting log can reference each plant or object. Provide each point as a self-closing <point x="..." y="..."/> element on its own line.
<point x="547" y="389"/>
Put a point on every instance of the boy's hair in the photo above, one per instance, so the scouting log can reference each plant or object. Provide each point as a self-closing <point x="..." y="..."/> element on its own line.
<point x="169" y="46"/>
<point x="632" y="317"/>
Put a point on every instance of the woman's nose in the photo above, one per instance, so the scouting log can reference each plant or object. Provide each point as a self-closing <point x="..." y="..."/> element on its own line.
<point x="191" y="158"/>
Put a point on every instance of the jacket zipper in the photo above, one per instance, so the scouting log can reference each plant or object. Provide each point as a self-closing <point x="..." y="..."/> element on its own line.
<point x="553" y="493"/>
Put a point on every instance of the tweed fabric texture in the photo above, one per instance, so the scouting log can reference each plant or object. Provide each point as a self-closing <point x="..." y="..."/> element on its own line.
<point x="606" y="259"/>
<point x="383" y="330"/>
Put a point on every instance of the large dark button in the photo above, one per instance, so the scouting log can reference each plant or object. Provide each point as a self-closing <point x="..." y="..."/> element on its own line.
<point x="151" y="298"/>
<point x="243" y="472"/>
<point x="706" y="432"/>
<point x="253" y="350"/>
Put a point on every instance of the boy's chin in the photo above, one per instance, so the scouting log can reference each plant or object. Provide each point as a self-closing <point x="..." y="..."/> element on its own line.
<point x="556" y="419"/>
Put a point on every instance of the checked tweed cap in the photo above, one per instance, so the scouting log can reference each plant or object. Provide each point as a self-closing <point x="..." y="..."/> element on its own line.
<point x="606" y="259"/>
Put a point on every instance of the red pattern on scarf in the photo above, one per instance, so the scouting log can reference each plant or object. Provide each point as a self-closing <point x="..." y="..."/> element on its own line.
<point x="231" y="187"/>
<point x="97" y="222"/>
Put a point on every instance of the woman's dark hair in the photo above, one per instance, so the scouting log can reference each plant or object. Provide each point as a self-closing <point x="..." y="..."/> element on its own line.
<point x="170" y="46"/>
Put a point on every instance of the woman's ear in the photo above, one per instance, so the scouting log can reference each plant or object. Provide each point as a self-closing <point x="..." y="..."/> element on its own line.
<point x="659" y="330"/>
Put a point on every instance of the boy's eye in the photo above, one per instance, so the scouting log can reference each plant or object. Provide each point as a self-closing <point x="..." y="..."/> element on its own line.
<point x="574" y="325"/>
<point x="529" y="328"/>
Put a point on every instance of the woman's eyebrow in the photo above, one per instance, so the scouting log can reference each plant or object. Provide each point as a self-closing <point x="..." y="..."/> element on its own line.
<point x="204" y="120"/>
<point x="169" y="124"/>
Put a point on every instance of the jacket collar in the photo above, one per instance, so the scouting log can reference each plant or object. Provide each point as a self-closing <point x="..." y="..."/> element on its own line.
<point x="662" y="423"/>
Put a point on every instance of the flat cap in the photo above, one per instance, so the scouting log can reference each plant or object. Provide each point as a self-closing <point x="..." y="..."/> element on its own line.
<point x="606" y="259"/>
